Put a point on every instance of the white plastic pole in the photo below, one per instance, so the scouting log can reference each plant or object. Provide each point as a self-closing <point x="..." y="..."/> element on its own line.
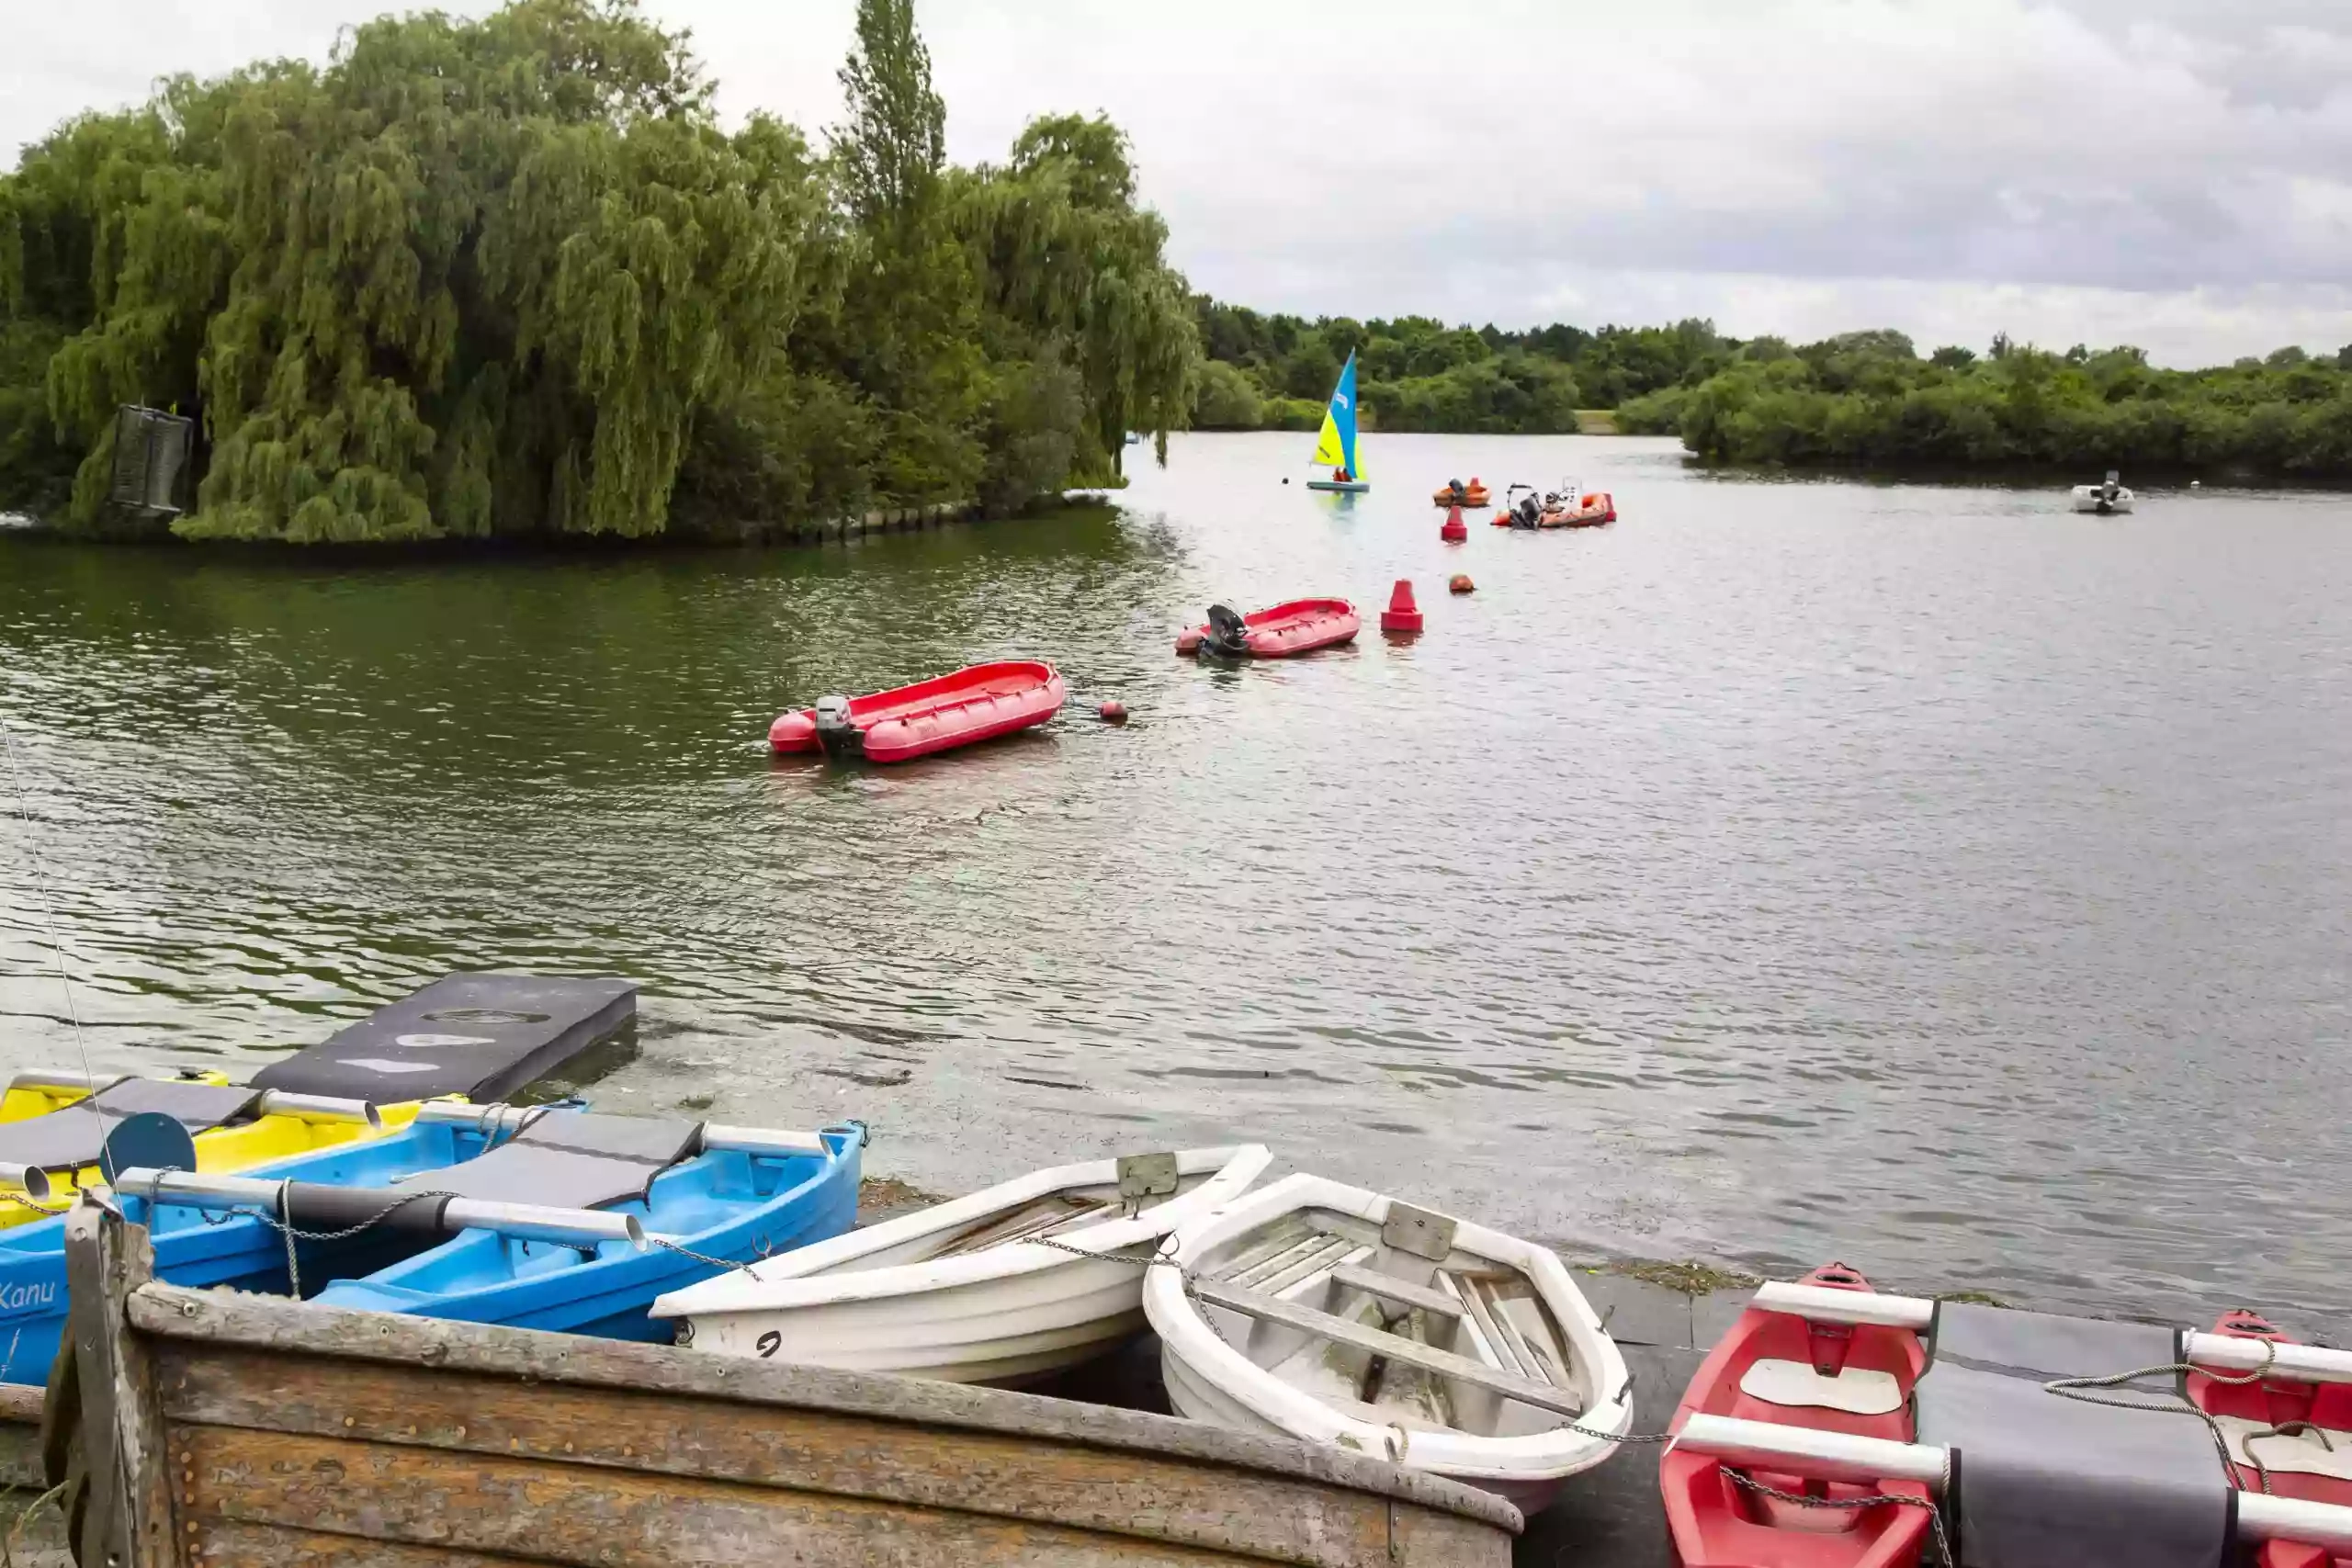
<point x="31" y="1178"/>
<point x="60" y="1078"/>
<point x="761" y="1140"/>
<point x="1828" y="1456"/>
<point x="318" y="1108"/>
<point x="528" y="1221"/>
<point x="2292" y="1363"/>
<point x="1818" y="1303"/>
<point x="2327" y="1526"/>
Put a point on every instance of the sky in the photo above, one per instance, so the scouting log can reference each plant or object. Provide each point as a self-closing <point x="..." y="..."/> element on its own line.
<point x="2173" y="173"/>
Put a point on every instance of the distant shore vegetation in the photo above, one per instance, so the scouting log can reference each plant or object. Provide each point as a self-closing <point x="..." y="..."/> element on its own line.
<point x="1867" y="402"/>
<point x="511" y="276"/>
<point x="1871" y="402"/>
<point x="1272" y="372"/>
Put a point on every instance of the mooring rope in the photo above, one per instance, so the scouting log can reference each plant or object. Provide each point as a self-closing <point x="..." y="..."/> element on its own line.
<point x="2085" y="1390"/>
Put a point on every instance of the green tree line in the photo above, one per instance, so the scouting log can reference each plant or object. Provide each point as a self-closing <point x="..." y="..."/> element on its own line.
<point x="1275" y="371"/>
<point x="512" y="276"/>
<point x="1869" y="401"/>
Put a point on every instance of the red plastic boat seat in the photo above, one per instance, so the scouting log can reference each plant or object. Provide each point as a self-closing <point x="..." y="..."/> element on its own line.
<point x="1796" y="1385"/>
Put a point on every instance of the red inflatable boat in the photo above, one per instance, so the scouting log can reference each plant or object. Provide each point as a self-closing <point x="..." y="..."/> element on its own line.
<point x="1300" y="627"/>
<point x="938" y="715"/>
<point x="1831" y="1377"/>
<point x="2297" y="1431"/>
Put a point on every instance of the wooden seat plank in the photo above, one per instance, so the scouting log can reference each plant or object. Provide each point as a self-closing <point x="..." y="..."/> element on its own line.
<point x="1437" y="1303"/>
<point x="1395" y="1347"/>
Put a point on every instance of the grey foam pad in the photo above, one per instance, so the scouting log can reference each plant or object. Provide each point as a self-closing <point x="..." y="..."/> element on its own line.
<point x="570" y="1159"/>
<point x="72" y="1137"/>
<point x="483" y="1036"/>
<point x="2041" y="1481"/>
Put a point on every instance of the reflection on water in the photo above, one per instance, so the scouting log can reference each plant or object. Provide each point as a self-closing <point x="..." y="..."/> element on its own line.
<point x="1925" y="876"/>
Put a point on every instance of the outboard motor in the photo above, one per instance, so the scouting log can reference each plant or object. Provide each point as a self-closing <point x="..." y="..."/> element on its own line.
<point x="1229" y="634"/>
<point x="1454" y="487"/>
<point x="1529" y="512"/>
<point x="835" y="732"/>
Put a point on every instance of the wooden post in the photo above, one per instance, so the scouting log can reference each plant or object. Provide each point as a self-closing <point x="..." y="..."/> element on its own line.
<point x="122" y="1420"/>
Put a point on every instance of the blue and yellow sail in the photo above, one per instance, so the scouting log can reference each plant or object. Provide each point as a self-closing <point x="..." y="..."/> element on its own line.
<point x="1336" y="448"/>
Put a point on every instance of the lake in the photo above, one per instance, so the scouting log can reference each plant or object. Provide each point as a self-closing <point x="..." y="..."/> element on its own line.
<point x="1923" y="876"/>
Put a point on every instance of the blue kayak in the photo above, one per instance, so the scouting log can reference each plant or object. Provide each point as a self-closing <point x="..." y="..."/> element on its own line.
<point x="727" y="1203"/>
<point x="197" y="1249"/>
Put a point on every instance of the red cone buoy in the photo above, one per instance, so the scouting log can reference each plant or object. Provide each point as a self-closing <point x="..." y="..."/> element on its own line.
<point x="1113" y="712"/>
<point x="1460" y="584"/>
<point x="1455" y="530"/>
<point x="1402" y="614"/>
<point x="1189" y="640"/>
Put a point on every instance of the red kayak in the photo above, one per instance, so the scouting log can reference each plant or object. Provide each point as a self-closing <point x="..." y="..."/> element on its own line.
<point x="1778" y="1366"/>
<point x="2298" y="1431"/>
<point x="1300" y="627"/>
<point x="938" y="715"/>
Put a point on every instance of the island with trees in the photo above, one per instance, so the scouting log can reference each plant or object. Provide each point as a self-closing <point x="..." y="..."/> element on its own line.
<point x="511" y="276"/>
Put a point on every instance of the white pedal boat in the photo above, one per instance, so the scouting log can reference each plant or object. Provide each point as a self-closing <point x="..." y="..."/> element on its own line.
<point x="962" y="1292"/>
<point x="1343" y="1317"/>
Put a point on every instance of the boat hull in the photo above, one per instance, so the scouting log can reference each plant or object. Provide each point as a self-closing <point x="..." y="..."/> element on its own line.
<point x="199" y="1249"/>
<point x="961" y="709"/>
<point x="1004" y="1315"/>
<point x="1446" y="498"/>
<point x="1341" y="487"/>
<point x="284" y="1432"/>
<point x="2309" y="1461"/>
<point x="1210" y="1380"/>
<point x="726" y="1204"/>
<point x="1715" y="1524"/>
<point x="1282" y="631"/>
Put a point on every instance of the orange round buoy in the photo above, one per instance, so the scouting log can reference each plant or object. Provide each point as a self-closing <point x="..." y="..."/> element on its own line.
<point x="1113" y="712"/>
<point x="1402" y="614"/>
<point x="1460" y="584"/>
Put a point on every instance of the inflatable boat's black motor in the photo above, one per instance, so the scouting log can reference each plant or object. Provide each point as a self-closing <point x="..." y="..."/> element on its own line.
<point x="1228" y="635"/>
<point x="835" y="731"/>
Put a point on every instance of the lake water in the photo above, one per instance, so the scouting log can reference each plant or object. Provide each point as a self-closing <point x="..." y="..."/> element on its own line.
<point x="1924" y="876"/>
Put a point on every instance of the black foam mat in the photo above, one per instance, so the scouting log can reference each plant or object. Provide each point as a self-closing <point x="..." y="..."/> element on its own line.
<point x="484" y="1036"/>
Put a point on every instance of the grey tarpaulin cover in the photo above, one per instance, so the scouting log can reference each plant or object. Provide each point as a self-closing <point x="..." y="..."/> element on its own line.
<point x="2040" y="1481"/>
<point x="72" y="1137"/>
<point x="483" y="1036"/>
<point x="568" y="1160"/>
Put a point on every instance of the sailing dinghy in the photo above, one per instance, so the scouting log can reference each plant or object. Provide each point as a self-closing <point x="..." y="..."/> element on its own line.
<point x="1335" y="448"/>
<point x="1343" y="1317"/>
<point x="990" y="1288"/>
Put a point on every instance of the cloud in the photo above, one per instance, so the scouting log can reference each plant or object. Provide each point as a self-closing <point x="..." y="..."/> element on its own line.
<point x="2173" y="173"/>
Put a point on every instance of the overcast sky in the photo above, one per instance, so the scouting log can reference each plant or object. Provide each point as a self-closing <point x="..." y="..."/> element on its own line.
<point x="2176" y="173"/>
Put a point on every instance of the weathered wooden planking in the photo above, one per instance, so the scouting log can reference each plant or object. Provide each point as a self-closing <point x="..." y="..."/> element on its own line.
<point x="235" y="1544"/>
<point x="285" y="1327"/>
<point x="602" y="1519"/>
<point x="123" y="1421"/>
<point x="1262" y="1516"/>
<point x="1437" y="1303"/>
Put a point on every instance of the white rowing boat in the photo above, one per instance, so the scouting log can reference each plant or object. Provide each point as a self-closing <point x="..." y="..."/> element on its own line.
<point x="969" y="1291"/>
<point x="1344" y="1317"/>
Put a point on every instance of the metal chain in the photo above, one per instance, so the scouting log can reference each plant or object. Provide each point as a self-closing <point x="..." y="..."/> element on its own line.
<point x="1935" y="1514"/>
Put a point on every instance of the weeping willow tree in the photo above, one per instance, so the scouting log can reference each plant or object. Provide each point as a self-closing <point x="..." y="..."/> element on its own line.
<point x="1067" y="257"/>
<point x="511" y="276"/>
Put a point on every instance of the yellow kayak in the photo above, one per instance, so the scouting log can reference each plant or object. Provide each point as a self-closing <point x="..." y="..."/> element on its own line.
<point x="49" y="1124"/>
